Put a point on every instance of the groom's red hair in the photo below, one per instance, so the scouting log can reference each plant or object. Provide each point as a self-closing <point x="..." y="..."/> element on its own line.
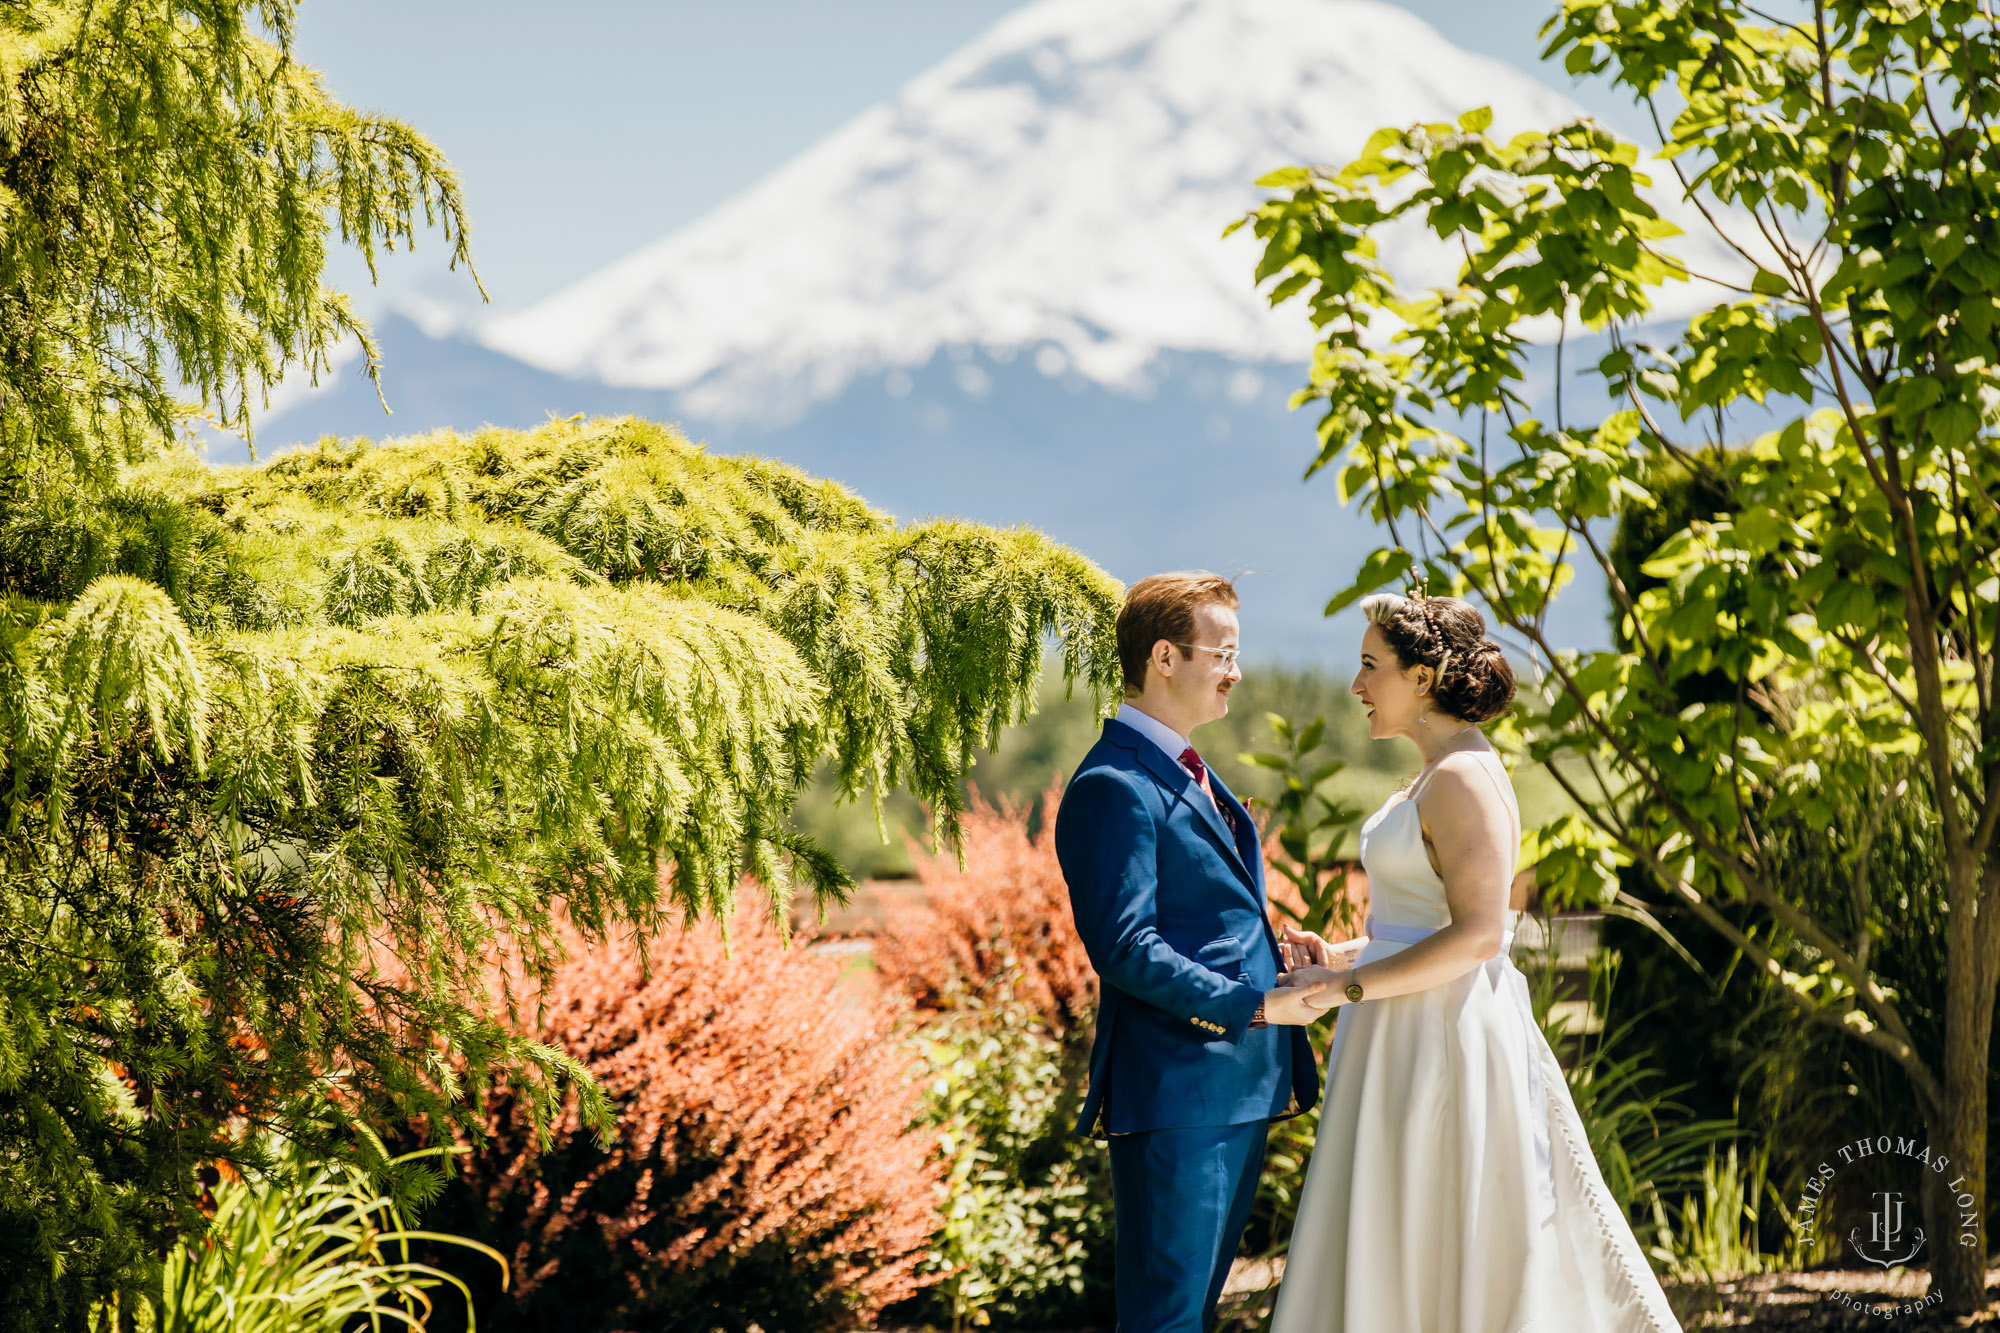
<point x="1162" y="606"/>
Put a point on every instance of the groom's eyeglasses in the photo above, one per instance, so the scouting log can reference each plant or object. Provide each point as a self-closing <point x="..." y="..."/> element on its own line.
<point x="1228" y="655"/>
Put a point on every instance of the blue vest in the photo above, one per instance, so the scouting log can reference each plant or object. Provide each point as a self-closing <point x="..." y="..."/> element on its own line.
<point x="1171" y="909"/>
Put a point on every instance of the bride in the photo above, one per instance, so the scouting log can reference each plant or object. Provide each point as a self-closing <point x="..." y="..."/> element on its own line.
<point x="1453" y="1189"/>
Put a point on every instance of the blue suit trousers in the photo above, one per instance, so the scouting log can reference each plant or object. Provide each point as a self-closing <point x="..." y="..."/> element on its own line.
<point x="1183" y="1197"/>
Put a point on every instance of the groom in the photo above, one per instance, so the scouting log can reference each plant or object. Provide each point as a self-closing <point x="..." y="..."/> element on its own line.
<point x="1197" y="1050"/>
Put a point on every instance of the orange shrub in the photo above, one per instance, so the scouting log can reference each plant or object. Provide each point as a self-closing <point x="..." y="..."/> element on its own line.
<point x="765" y="1171"/>
<point x="1004" y="914"/>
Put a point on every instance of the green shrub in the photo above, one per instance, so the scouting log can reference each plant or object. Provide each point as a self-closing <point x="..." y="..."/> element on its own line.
<point x="316" y="1248"/>
<point x="1027" y="1230"/>
<point x="1648" y="1145"/>
<point x="1865" y="860"/>
<point x="1715" y="1233"/>
<point x="991" y="957"/>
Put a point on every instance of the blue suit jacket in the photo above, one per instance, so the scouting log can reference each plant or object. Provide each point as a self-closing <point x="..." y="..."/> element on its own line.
<point x="1171" y="909"/>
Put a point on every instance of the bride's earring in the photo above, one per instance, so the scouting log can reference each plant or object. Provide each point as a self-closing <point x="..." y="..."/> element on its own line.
<point x="1424" y="714"/>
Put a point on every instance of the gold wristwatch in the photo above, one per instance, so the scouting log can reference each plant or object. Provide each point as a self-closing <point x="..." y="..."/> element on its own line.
<point x="1353" y="990"/>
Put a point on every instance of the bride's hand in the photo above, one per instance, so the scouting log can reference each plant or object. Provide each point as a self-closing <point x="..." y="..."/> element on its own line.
<point x="1346" y="955"/>
<point x="1314" y="977"/>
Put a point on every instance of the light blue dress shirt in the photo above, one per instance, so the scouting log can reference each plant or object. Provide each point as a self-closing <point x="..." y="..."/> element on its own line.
<point x="1154" y="730"/>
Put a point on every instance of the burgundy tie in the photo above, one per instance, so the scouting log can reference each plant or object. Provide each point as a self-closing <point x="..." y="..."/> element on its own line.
<point x="1192" y="763"/>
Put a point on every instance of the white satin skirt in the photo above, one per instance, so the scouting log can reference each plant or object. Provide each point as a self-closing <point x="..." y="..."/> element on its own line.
<point x="1452" y="1188"/>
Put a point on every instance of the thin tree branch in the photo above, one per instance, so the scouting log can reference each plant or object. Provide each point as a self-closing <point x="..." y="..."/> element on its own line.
<point x="1748" y="832"/>
<point x="1893" y="1042"/>
<point x="1688" y="191"/>
<point x="1604" y="786"/>
<point x="1683" y="268"/>
<point x="1616" y="827"/>
<point x="1775" y="21"/>
<point x="1626" y="602"/>
<point x="1864" y="855"/>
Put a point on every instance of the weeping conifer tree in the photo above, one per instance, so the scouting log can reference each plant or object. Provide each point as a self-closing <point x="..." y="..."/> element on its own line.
<point x="170" y="179"/>
<point x="290" y="752"/>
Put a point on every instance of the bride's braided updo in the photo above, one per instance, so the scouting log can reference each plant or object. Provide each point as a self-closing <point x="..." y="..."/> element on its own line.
<point x="1471" y="676"/>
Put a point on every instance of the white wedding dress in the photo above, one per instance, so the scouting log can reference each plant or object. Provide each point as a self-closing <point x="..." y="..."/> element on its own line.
<point x="1452" y="1188"/>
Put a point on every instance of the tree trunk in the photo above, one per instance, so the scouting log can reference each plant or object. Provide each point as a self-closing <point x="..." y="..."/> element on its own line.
<point x="1958" y="1270"/>
<point x="1955" y="1203"/>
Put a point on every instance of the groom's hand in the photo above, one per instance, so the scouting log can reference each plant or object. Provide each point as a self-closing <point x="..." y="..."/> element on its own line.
<point x="1292" y="1005"/>
<point x="1316" y="950"/>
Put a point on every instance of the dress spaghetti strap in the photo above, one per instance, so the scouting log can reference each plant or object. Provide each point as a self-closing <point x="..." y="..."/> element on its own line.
<point x="1501" y="782"/>
<point x="1505" y="786"/>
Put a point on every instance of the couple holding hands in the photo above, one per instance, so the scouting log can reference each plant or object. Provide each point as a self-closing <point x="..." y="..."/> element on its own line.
<point x="1452" y="1188"/>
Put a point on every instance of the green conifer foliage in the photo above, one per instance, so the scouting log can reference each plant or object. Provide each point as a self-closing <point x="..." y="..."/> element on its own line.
<point x="292" y="752"/>
<point x="169" y="178"/>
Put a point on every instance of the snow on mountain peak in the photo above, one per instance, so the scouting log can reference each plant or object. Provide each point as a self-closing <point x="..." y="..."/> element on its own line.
<point x="1060" y="183"/>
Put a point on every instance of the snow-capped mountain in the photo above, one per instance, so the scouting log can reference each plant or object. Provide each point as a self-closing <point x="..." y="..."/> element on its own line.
<point x="1060" y="184"/>
<point x="1004" y="295"/>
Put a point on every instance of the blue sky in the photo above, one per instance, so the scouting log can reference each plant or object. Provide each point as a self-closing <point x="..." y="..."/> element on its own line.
<point x="587" y="129"/>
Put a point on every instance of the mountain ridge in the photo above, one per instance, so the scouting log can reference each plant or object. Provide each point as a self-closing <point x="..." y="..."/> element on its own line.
<point x="1061" y="182"/>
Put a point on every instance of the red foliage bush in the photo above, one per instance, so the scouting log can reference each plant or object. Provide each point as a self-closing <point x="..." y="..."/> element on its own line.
<point x="765" y="1171"/>
<point x="1004" y="914"/>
